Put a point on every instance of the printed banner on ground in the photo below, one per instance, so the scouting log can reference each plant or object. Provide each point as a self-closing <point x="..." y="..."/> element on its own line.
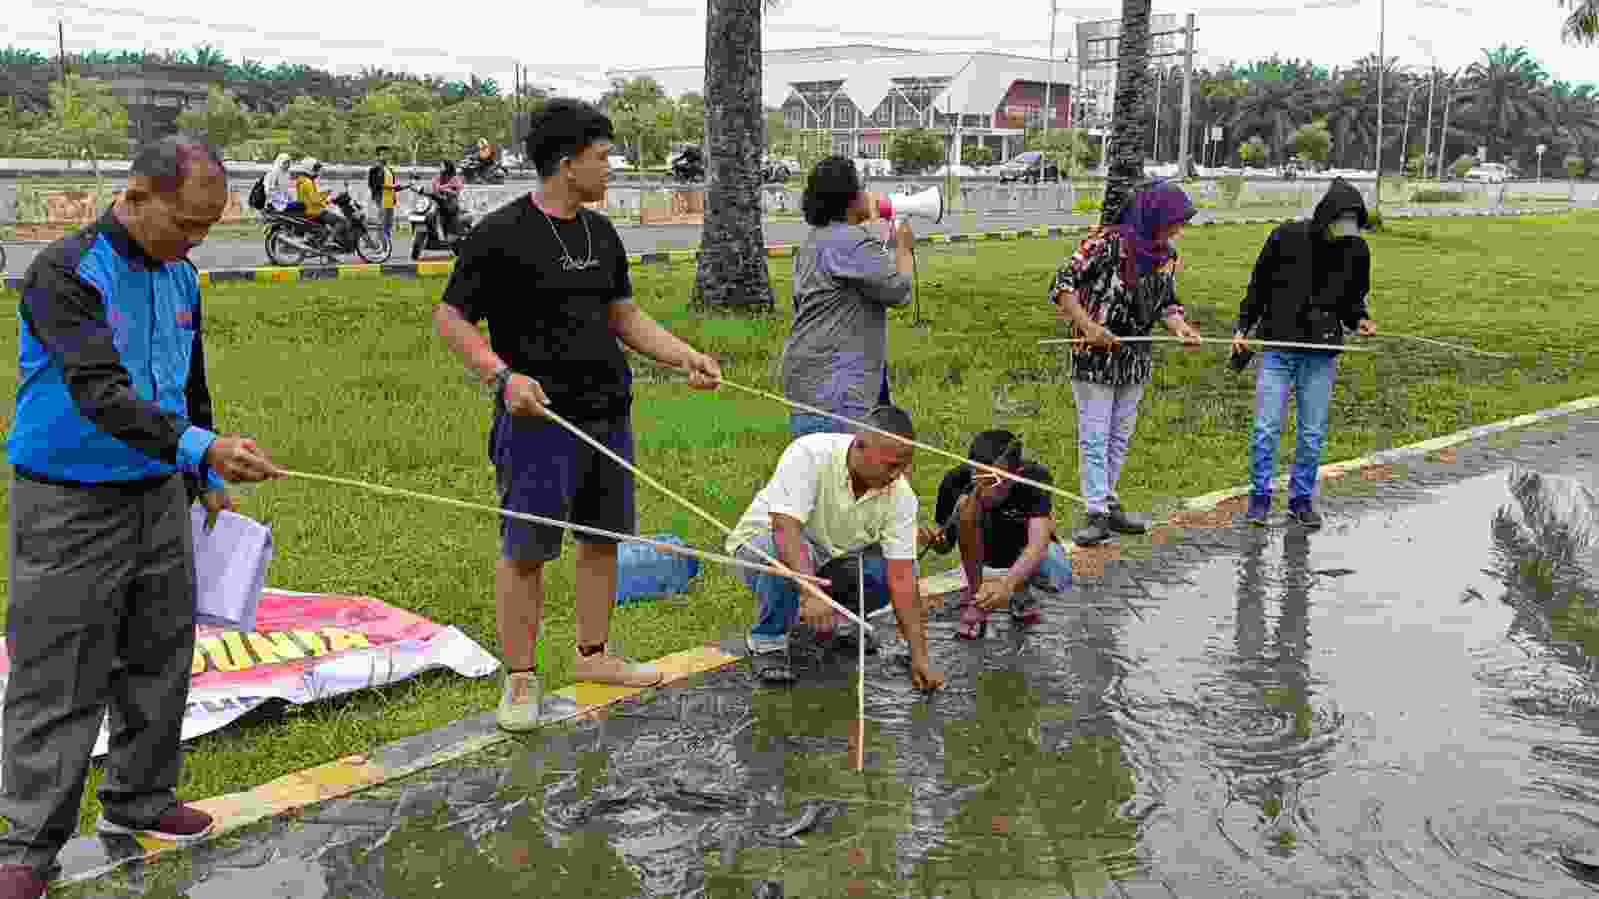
<point x="307" y="647"/>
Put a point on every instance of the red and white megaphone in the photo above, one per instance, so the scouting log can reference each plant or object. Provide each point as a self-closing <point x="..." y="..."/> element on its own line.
<point x="929" y="204"/>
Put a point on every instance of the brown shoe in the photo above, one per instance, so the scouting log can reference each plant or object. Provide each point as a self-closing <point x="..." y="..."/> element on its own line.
<point x="180" y="824"/>
<point x="604" y="668"/>
<point x="20" y="882"/>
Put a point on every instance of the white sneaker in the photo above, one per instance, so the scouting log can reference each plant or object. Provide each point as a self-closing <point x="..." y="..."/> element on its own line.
<point x="520" y="701"/>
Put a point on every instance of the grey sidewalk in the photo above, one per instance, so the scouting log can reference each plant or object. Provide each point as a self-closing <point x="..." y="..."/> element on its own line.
<point x="695" y="790"/>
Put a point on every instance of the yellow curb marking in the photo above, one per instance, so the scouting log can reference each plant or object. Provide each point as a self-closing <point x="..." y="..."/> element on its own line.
<point x="360" y="271"/>
<point x="434" y="268"/>
<point x="279" y="275"/>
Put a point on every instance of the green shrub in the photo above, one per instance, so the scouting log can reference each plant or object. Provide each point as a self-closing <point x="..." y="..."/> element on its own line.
<point x="1089" y="203"/>
<point x="1439" y="196"/>
<point x="1463" y="165"/>
<point x="1575" y="166"/>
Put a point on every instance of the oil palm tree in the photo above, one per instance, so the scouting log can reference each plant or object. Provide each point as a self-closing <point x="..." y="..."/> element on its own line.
<point x="1501" y="99"/>
<point x="1129" y="137"/>
<point x="732" y="270"/>
<point x="1582" y="26"/>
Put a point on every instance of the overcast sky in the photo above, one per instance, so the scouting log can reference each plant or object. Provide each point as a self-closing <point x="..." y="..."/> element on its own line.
<point x="570" y="44"/>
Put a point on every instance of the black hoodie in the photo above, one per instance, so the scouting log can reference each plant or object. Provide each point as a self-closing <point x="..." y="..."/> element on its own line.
<point x="1308" y="287"/>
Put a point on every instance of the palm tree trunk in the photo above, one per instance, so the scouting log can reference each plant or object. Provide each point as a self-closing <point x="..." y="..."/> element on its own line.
<point x="1127" y="138"/>
<point x="732" y="261"/>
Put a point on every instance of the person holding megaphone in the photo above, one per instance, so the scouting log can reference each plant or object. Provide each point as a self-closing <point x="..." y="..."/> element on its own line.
<point x="846" y="276"/>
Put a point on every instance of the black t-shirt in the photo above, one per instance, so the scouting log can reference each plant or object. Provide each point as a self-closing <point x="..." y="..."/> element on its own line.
<point x="1004" y="526"/>
<point x="548" y="323"/>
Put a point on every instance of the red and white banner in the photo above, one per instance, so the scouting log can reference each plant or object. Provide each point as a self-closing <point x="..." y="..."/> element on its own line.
<point x="307" y="647"/>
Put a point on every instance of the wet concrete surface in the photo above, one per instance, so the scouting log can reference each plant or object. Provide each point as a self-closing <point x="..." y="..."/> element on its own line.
<point x="1401" y="704"/>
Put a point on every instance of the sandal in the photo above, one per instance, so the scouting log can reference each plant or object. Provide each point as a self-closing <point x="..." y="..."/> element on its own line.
<point x="772" y="667"/>
<point x="1024" y="608"/>
<point x="974" y="622"/>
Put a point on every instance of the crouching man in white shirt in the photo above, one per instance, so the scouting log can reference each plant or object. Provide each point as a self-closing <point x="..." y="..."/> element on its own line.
<point x="836" y="502"/>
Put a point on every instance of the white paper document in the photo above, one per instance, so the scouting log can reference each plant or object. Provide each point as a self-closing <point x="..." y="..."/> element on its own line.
<point x="230" y="566"/>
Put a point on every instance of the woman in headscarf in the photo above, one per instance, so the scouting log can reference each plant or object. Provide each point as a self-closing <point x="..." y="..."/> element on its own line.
<point x="1119" y="283"/>
<point x="279" y="185"/>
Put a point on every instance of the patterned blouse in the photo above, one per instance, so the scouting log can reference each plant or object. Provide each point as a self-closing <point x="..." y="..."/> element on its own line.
<point x="1093" y="275"/>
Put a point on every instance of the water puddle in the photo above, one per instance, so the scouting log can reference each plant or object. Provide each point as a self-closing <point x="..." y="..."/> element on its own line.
<point x="1401" y="705"/>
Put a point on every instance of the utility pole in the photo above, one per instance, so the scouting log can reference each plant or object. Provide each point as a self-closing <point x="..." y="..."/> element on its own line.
<point x="61" y="42"/>
<point x="1049" y="89"/>
<point x="1159" y="77"/>
<point x="1443" y="133"/>
<point x="1382" y="25"/>
<point x="1426" y="152"/>
<point x="1188" y="90"/>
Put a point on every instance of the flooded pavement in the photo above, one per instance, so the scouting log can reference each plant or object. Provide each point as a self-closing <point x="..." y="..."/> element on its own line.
<point x="1402" y="704"/>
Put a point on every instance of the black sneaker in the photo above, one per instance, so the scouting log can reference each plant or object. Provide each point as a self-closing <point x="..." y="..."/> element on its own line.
<point x="1301" y="511"/>
<point x="1095" y="530"/>
<point x="1259" y="509"/>
<point x="1122" y="523"/>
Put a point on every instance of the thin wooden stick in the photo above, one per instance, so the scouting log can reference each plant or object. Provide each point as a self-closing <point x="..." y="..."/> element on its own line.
<point x="999" y="472"/>
<point x="798" y="579"/>
<point x="1265" y="343"/>
<point x="860" y="671"/>
<point x="552" y="522"/>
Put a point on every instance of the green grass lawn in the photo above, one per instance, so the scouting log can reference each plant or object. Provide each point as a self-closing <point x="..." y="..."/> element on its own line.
<point x="347" y="378"/>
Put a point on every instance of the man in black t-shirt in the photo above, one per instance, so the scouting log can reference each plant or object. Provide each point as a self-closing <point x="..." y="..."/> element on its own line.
<point x="999" y="523"/>
<point x="551" y="278"/>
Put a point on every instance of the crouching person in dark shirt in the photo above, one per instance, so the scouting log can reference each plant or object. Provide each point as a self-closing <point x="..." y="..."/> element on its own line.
<point x="999" y="523"/>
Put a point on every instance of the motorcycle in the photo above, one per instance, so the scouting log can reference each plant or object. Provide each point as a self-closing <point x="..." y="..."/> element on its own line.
<point x="689" y="165"/>
<point x="476" y="171"/>
<point x="291" y="239"/>
<point x="428" y="227"/>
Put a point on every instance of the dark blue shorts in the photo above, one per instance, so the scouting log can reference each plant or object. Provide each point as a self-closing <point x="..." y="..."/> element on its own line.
<point x="543" y="469"/>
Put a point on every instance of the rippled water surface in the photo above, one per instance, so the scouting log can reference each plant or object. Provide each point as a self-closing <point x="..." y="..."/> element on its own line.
<point x="1399" y="705"/>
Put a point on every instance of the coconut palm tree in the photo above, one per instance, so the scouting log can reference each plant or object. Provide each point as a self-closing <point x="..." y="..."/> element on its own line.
<point x="732" y="270"/>
<point x="1129" y="137"/>
<point x="1582" y="26"/>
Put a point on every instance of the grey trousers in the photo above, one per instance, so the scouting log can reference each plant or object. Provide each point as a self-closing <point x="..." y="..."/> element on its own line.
<point x="101" y="615"/>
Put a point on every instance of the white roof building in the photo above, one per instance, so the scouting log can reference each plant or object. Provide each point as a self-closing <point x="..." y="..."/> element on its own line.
<point x="858" y="92"/>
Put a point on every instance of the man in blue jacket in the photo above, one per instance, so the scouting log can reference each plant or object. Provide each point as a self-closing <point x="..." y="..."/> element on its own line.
<point x="1309" y="284"/>
<point x="111" y="442"/>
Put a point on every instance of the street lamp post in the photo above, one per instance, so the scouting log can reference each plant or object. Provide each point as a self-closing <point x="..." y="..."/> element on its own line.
<point x="1541" y="149"/>
<point x="1404" y="141"/>
<point x="1382" y="27"/>
<point x="1049" y="89"/>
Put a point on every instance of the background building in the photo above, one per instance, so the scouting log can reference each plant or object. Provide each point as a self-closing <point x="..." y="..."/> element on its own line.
<point x="1098" y="45"/>
<point x="860" y="94"/>
<point x="156" y="94"/>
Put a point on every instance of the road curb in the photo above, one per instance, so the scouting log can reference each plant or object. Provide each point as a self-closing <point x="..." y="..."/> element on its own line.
<point x="284" y="275"/>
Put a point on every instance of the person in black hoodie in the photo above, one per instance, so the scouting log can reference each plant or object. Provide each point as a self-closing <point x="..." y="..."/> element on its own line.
<point x="1309" y="285"/>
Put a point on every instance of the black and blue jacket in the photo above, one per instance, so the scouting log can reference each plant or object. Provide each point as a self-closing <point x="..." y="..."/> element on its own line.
<point x="111" y="381"/>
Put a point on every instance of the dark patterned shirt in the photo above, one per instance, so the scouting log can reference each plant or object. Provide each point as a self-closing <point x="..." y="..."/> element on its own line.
<point x="1093" y="275"/>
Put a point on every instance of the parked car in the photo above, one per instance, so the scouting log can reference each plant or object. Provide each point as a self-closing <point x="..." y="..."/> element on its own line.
<point x="1489" y="173"/>
<point x="1029" y="166"/>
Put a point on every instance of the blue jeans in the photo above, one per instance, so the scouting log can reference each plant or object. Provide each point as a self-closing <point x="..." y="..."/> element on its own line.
<point x="1106" y="417"/>
<point x="777" y="598"/>
<point x="1309" y="374"/>
<point x="802" y="423"/>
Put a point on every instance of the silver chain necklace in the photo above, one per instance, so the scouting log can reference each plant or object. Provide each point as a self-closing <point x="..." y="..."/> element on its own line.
<point x="567" y="262"/>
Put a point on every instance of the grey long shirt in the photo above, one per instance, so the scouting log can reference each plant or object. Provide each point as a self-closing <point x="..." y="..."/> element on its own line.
<point x="844" y="282"/>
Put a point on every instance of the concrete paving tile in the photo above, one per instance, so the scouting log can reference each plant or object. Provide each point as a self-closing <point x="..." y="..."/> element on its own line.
<point x="364" y="812"/>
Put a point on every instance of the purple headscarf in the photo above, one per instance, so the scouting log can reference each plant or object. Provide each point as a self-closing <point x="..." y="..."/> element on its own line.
<point x="1160" y="204"/>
